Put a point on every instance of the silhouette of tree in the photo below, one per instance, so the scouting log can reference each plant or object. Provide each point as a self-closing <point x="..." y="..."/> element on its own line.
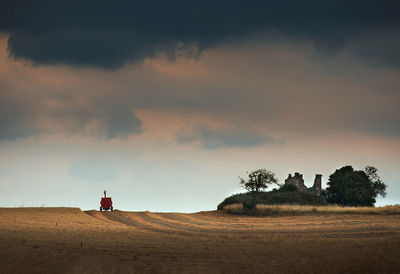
<point x="349" y="187"/>
<point x="258" y="180"/>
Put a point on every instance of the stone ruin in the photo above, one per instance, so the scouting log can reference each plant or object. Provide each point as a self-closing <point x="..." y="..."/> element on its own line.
<point x="298" y="181"/>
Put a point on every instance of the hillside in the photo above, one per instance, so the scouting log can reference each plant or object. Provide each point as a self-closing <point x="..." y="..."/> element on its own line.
<point x="274" y="198"/>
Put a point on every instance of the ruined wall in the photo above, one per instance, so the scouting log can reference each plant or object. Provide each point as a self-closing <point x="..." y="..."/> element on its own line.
<point x="298" y="181"/>
<point x="316" y="188"/>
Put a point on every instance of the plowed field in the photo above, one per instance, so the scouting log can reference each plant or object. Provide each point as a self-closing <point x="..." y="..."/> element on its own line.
<point x="68" y="240"/>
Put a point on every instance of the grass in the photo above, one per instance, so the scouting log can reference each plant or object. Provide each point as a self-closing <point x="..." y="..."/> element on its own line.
<point x="274" y="198"/>
<point x="262" y="209"/>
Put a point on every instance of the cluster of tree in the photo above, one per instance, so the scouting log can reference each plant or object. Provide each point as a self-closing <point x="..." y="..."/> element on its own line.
<point x="346" y="186"/>
<point x="349" y="187"/>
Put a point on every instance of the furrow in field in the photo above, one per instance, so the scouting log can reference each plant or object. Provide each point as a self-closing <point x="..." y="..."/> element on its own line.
<point x="152" y="224"/>
<point x="189" y="219"/>
<point x="179" y="228"/>
<point x="185" y="229"/>
<point x="242" y="227"/>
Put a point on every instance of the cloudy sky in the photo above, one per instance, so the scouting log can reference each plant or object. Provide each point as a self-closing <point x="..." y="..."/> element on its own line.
<point x="166" y="103"/>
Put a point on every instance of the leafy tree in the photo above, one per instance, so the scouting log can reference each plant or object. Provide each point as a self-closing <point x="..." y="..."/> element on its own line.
<point x="258" y="180"/>
<point x="349" y="187"/>
<point x="378" y="185"/>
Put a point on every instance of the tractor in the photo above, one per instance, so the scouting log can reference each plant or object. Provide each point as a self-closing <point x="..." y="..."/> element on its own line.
<point x="106" y="203"/>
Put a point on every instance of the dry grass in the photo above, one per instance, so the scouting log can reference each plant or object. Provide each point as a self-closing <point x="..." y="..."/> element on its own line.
<point x="305" y="209"/>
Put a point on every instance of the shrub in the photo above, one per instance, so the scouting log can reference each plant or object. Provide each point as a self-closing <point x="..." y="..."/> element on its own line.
<point x="276" y="210"/>
<point x="249" y="200"/>
<point x="288" y="188"/>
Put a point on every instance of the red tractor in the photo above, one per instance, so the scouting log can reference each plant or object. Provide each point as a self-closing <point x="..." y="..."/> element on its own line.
<point x="106" y="203"/>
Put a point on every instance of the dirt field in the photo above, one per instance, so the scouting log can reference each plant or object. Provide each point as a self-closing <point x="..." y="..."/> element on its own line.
<point x="68" y="240"/>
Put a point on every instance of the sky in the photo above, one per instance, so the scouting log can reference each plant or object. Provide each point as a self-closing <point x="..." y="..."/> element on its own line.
<point x="166" y="103"/>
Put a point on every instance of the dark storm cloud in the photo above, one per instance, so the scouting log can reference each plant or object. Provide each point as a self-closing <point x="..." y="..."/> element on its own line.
<point x="386" y="126"/>
<point x="209" y="138"/>
<point x="119" y="121"/>
<point x="109" y="34"/>
<point x="379" y="47"/>
<point x="107" y="118"/>
<point x="16" y="118"/>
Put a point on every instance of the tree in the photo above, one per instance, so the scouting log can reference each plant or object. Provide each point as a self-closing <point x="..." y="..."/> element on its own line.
<point x="258" y="180"/>
<point x="378" y="185"/>
<point x="349" y="187"/>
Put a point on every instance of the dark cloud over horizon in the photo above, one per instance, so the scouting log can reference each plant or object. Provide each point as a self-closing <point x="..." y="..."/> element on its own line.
<point x="110" y="34"/>
<point x="214" y="138"/>
<point x="106" y="118"/>
<point x="16" y="118"/>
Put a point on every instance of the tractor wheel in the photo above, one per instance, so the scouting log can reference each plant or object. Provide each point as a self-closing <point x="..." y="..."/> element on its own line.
<point x="101" y="209"/>
<point x="111" y="208"/>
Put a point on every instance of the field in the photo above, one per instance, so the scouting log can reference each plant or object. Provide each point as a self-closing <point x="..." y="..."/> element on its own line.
<point x="68" y="240"/>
